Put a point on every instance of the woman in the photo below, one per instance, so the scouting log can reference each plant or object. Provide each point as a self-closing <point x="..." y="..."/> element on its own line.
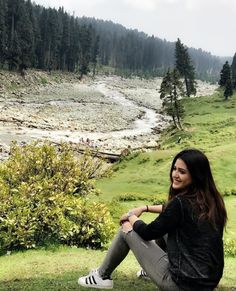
<point x="193" y="220"/>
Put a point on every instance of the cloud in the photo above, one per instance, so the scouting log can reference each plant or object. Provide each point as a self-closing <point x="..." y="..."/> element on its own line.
<point x="147" y="5"/>
<point x="192" y="5"/>
<point x="72" y="4"/>
<point x="197" y="5"/>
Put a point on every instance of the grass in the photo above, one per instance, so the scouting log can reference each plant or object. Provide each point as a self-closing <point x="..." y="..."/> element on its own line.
<point x="58" y="269"/>
<point x="145" y="173"/>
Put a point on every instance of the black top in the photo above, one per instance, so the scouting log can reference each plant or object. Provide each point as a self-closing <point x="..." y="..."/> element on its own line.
<point x="194" y="248"/>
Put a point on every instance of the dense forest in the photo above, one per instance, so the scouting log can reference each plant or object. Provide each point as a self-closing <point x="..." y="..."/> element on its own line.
<point x="137" y="52"/>
<point x="32" y="36"/>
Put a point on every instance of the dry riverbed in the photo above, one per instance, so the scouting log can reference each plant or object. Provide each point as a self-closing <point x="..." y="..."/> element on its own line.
<point x="107" y="113"/>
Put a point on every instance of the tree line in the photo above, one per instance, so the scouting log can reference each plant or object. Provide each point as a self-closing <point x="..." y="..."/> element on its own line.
<point x="32" y="36"/>
<point x="138" y="53"/>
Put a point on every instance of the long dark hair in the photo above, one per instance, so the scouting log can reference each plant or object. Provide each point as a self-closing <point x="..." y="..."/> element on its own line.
<point x="203" y="194"/>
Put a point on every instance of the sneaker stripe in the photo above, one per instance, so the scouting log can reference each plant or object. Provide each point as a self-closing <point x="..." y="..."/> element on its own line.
<point x="94" y="281"/>
<point x="90" y="281"/>
<point x="143" y="273"/>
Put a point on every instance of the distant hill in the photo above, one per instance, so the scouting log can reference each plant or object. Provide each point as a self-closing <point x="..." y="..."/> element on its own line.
<point x="126" y="49"/>
<point x="32" y="36"/>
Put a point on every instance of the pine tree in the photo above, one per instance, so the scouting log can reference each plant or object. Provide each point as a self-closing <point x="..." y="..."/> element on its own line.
<point x="184" y="66"/>
<point x="3" y="32"/>
<point x="25" y="33"/>
<point x="177" y="92"/>
<point x="94" y="53"/>
<point x="233" y="70"/>
<point x="53" y="60"/>
<point x="225" y="74"/>
<point x="65" y="41"/>
<point x="167" y="97"/>
<point x="170" y="91"/>
<point x="13" y="51"/>
<point x="228" y="89"/>
<point x="73" y="49"/>
<point x="85" y="47"/>
<point x="32" y="12"/>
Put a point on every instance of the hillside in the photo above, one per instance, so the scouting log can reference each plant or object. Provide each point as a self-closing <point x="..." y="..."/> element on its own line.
<point x="209" y="124"/>
<point x="52" y="39"/>
<point x="134" y="52"/>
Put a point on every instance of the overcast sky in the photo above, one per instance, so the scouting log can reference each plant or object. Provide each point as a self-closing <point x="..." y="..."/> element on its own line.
<point x="206" y="24"/>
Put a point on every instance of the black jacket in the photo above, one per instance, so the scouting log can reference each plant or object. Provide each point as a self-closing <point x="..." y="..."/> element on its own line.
<point x="195" y="249"/>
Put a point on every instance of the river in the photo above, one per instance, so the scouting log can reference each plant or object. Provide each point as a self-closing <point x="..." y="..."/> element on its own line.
<point x="27" y="119"/>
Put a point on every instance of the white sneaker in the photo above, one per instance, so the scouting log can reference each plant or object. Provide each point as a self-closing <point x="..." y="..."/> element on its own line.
<point x="142" y="274"/>
<point x="94" y="280"/>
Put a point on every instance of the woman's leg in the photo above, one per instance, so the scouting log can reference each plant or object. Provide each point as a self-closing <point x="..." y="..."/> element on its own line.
<point x="161" y="242"/>
<point x="118" y="250"/>
<point x="153" y="260"/>
<point x="149" y="255"/>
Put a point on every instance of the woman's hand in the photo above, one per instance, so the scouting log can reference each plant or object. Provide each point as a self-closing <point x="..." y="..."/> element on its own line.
<point x="123" y="218"/>
<point x="126" y="227"/>
<point x="136" y="211"/>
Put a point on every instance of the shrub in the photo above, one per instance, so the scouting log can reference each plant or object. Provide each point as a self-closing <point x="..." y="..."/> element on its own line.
<point x="155" y="199"/>
<point x="230" y="247"/>
<point x="43" y="194"/>
<point x="87" y="224"/>
<point x="228" y="192"/>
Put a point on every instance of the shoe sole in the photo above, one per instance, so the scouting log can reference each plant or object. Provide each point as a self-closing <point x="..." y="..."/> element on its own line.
<point x="94" y="286"/>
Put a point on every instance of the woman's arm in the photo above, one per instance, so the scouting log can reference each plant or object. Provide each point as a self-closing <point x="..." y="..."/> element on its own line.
<point x="170" y="218"/>
<point x="139" y="210"/>
<point x="154" y="208"/>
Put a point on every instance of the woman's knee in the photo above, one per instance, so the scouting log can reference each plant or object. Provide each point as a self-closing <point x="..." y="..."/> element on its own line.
<point x="126" y="227"/>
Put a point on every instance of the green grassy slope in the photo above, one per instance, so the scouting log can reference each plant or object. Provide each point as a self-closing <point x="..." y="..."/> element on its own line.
<point x="209" y="124"/>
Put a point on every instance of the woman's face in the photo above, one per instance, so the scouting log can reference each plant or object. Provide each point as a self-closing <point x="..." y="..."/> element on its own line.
<point x="181" y="177"/>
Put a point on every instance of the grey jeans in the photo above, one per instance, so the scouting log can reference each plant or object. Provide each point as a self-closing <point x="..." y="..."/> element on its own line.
<point x="149" y="255"/>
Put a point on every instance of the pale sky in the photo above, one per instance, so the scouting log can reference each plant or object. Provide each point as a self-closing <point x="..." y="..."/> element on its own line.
<point x="206" y="24"/>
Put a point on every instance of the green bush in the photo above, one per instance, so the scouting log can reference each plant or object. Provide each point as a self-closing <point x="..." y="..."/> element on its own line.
<point x="87" y="224"/>
<point x="228" y="192"/>
<point x="43" y="194"/>
<point x="230" y="247"/>
<point x="155" y="199"/>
